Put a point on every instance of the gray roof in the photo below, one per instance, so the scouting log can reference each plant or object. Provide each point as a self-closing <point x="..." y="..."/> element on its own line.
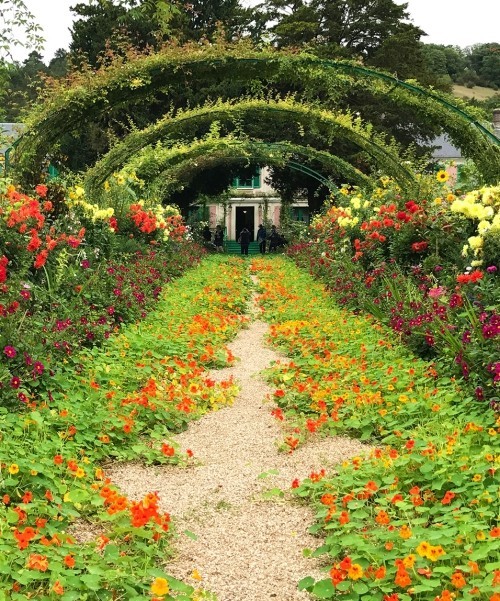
<point x="10" y="131"/>
<point x="445" y="149"/>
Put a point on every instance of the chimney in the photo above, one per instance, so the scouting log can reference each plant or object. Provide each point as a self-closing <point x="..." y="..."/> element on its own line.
<point x="496" y="121"/>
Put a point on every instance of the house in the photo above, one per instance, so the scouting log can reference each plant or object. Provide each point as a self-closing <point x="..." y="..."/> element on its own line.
<point x="252" y="201"/>
<point x="448" y="156"/>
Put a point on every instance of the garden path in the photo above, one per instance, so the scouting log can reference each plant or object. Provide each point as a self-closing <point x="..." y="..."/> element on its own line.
<point x="243" y="543"/>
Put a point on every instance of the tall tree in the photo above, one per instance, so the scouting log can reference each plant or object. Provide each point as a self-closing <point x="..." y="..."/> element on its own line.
<point x="15" y="16"/>
<point x="350" y="28"/>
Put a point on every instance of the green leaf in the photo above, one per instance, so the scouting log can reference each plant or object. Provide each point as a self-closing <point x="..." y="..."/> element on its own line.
<point x="306" y="584"/>
<point x="91" y="581"/>
<point x="190" y="534"/>
<point x="360" y="588"/>
<point x="324" y="589"/>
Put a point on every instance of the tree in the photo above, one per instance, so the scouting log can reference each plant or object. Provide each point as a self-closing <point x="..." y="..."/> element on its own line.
<point x="15" y="16"/>
<point x="349" y="28"/>
<point x="23" y="85"/>
<point x="484" y="59"/>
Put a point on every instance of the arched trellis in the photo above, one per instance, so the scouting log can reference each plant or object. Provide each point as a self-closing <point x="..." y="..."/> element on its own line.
<point x="257" y="119"/>
<point x="168" y="169"/>
<point x="330" y="80"/>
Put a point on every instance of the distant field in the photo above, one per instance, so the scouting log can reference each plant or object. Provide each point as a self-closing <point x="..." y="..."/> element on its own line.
<point x="477" y="92"/>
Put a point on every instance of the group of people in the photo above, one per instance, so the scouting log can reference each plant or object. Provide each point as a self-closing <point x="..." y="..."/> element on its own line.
<point x="218" y="240"/>
<point x="275" y="240"/>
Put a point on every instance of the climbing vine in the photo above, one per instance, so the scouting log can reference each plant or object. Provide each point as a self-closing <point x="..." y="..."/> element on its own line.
<point x="169" y="169"/>
<point x="156" y="76"/>
<point x="273" y="120"/>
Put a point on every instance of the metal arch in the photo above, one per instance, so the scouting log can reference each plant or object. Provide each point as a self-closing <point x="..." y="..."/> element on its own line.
<point x="384" y="76"/>
<point x="252" y="150"/>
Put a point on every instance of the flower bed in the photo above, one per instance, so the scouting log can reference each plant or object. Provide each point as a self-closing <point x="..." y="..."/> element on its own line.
<point x="71" y="273"/>
<point x="417" y="517"/>
<point x="66" y="532"/>
<point x="427" y="266"/>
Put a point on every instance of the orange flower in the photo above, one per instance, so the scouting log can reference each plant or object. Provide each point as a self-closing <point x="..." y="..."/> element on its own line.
<point x="344" y="517"/>
<point x="405" y="532"/>
<point x="402" y="578"/>
<point x="69" y="561"/>
<point x="355" y="572"/>
<point x="160" y="586"/>
<point x="458" y="580"/>
<point x="37" y="562"/>
<point x="495" y="532"/>
<point x="380" y="573"/>
<point x="58" y="588"/>
<point x="382" y="517"/>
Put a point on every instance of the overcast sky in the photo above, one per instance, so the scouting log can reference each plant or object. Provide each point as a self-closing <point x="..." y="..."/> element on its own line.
<point x="445" y="21"/>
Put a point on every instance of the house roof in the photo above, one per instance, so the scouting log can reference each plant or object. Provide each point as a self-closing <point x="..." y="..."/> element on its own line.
<point x="445" y="149"/>
<point x="10" y="131"/>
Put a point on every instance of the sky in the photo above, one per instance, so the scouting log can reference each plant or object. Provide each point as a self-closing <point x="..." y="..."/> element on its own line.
<point x="455" y="22"/>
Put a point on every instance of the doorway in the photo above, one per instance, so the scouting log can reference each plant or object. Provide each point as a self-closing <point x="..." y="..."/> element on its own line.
<point x="245" y="217"/>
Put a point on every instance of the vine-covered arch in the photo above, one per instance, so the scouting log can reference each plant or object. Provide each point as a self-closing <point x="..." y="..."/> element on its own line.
<point x="321" y="80"/>
<point x="167" y="169"/>
<point x="258" y="119"/>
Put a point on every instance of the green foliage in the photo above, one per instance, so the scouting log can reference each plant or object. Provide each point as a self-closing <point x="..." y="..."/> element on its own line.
<point x="415" y="511"/>
<point x="88" y="96"/>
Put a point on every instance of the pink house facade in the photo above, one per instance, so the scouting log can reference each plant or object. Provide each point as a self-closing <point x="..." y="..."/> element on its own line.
<point x="252" y="202"/>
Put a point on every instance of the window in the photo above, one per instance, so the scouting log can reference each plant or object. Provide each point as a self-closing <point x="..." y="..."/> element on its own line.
<point x="248" y="182"/>
<point x="301" y="214"/>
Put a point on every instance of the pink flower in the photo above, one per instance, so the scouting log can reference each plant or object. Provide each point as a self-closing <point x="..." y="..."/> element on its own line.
<point x="436" y="292"/>
<point x="10" y="352"/>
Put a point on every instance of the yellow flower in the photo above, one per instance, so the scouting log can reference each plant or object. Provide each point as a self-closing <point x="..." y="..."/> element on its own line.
<point x="355" y="572"/>
<point x="160" y="586"/>
<point x="33" y="472"/>
<point x="480" y="535"/>
<point x="409" y="561"/>
<point x="438" y="201"/>
<point x="80" y="473"/>
<point x="442" y="176"/>
<point x="13" y="469"/>
<point x="423" y="549"/>
<point x="196" y="575"/>
<point x="107" y="186"/>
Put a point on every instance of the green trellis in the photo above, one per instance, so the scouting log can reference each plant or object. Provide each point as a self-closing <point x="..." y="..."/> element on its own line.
<point x="302" y="124"/>
<point x="314" y="79"/>
<point x="168" y="169"/>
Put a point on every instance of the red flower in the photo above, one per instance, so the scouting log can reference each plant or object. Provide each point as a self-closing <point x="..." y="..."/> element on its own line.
<point x="419" y="247"/>
<point x="41" y="190"/>
<point x="470" y="278"/>
<point x="41" y="259"/>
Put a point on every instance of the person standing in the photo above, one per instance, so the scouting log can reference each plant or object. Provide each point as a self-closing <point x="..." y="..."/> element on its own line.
<point x="244" y="241"/>
<point x="261" y="239"/>
<point x="274" y="239"/>
<point x="207" y="235"/>
<point x="219" y="238"/>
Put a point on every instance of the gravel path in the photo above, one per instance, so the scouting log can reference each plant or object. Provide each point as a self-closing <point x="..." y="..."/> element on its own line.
<point x="248" y="544"/>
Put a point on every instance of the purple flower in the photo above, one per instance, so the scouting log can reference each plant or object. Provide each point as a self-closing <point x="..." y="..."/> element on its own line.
<point x="10" y="352"/>
<point x="15" y="382"/>
<point x="22" y="397"/>
<point x="85" y="264"/>
<point x="491" y="269"/>
<point x="479" y="393"/>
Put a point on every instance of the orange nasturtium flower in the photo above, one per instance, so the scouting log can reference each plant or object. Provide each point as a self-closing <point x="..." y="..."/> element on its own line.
<point x="160" y="586"/>
<point x="355" y="572"/>
<point x="37" y="562"/>
<point x="458" y="580"/>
